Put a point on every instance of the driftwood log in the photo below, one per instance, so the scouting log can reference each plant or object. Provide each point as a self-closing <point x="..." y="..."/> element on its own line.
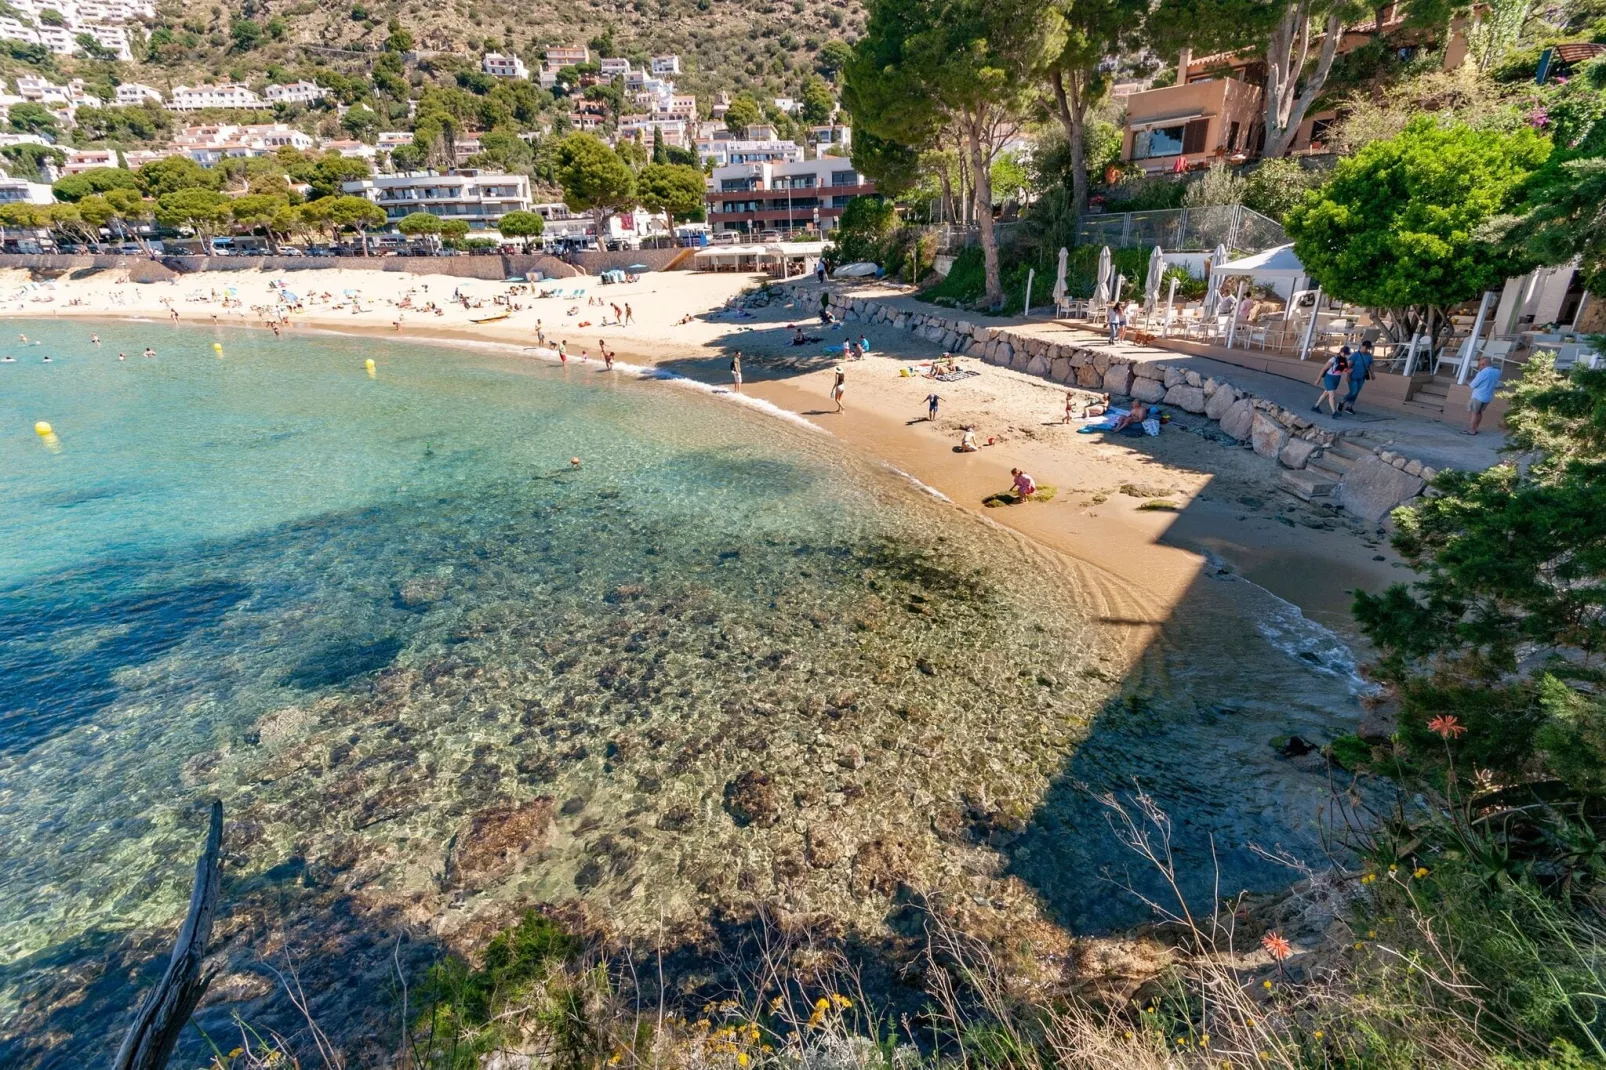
<point x="166" y="1009"/>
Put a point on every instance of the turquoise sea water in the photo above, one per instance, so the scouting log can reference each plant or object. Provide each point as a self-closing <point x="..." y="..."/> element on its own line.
<point x="365" y="609"/>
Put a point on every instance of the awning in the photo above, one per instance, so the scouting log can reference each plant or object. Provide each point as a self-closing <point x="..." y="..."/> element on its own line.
<point x="1278" y="263"/>
<point x="1166" y="120"/>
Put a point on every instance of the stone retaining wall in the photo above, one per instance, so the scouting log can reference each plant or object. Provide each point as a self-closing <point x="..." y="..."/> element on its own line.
<point x="1276" y="433"/>
<point x="143" y="269"/>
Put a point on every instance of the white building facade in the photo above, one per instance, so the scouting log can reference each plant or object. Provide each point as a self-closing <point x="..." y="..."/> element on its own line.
<point x="480" y="198"/>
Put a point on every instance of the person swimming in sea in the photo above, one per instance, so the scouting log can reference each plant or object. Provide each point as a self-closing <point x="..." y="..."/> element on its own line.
<point x="8" y="359"/>
<point x="47" y="358"/>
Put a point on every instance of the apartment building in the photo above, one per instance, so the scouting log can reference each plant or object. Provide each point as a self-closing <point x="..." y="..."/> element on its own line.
<point x="499" y="66"/>
<point x="208" y="144"/>
<point x="294" y="93"/>
<point x="390" y="140"/>
<point x="561" y="56"/>
<point x="101" y="20"/>
<point x="1214" y="109"/>
<point x="782" y="196"/>
<point x="827" y="136"/>
<point x="80" y="160"/>
<point x="723" y="152"/>
<point x="229" y="95"/>
<point x="480" y="198"/>
<point x="614" y="67"/>
<point x="664" y="66"/>
<point x="132" y="94"/>
<point x="649" y="128"/>
<point x="21" y="191"/>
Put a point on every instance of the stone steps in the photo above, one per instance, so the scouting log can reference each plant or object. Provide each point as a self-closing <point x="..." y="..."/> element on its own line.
<point x="1422" y="408"/>
<point x="1306" y="484"/>
<point x="1332" y="465"/>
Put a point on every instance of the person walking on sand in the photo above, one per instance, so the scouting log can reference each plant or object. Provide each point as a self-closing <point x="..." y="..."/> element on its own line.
<point x="736" y="370"/>
<point x="1360" y="370"/>
<point x="1484" y="384"/>
<point x="839" y="387"/>
<point x="1332" y="374"/>
<point x="932" y="400"/>
<point x="630" y="315"/>
<point x="1070" y="406"/>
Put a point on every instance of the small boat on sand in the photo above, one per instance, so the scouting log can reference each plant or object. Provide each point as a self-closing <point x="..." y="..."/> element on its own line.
<point x="492" y="318"/>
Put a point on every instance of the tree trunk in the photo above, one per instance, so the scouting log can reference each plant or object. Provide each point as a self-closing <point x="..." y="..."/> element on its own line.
<point x="1072" y="104"/>
<point x="1285" y="100"/>
<point x="982" y="184"/>
<point x="166" y="1009"/>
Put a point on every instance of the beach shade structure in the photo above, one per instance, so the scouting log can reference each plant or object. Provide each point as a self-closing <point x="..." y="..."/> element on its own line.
<point x="350" y="293"/>
<point x="862" y="269"/>
<point x="1059" y="279"/>
<point x="1151" y="282"/>
<point x="1213" y="284"/>
<point x="1101" y="288"/>
<point x="638" y="267"/>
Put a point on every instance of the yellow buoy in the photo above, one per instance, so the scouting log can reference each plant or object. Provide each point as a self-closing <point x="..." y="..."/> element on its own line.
<point x="369" y="363"/>
<point x="218" y="348"/>
<point x="42" y="429"/>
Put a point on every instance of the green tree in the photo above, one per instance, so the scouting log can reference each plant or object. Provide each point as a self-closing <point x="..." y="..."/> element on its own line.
<point x="173" y="173"/>
<point x="31" y="118"/>
<point x="1079" y="78"/>
<point x="526" y="225"/>
<point x="675" y="189"/>
<point x="408" y="158"/>
<point x="965" y="66"/>
<point x="95" y="180"/>
<point x="259" y="210"/>
<point x="1506" y="628"/>
<point x="454" y="230"/>
<point x="503" y="150"/>
<point x="1276" y="185"/>
<point x="26" y="161"/>
<point x="335" y="214"/>
<point x="399" y="41"/>
<point x="420" y="225"/>
<point x="360" y="123"/>
<point x="247" y="35"/>
<point x="203" y="211"/>
<point x="743" y="112"/>
<point x="817" y="102"/>
<point x="1396" y="226"/>
<point x="594" y="178"/>
<point x="833" y="56"/>
<point x="332" y="171"/>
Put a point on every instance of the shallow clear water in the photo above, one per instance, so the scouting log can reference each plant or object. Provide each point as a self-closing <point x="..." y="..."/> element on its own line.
<point x="365" y="609"/>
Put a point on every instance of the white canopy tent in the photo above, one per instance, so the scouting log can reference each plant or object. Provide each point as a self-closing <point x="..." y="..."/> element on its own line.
<point x="774" y="258"/>
<point x="1278" y="266"/>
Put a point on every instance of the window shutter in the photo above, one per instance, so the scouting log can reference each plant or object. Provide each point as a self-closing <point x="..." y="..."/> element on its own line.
<point x="1193" y="135"/>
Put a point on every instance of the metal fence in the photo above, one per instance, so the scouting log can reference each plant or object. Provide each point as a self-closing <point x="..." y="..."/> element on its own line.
<point x="952" y="237"/>
<point x="1180" y="230"/>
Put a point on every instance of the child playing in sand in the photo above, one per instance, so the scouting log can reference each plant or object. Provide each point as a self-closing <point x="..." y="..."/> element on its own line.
<point x="1025" y="485"/>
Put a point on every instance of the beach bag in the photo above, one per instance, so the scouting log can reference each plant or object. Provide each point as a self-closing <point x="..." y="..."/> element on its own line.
<point x="1151" y="426"/>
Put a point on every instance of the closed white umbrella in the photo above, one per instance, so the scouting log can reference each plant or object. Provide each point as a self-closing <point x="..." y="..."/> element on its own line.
<point x="1213" y="288"/>
<point x="1101" y="292"/>
<point x="1151" y="283"/>
<point x="1059" y="280"/>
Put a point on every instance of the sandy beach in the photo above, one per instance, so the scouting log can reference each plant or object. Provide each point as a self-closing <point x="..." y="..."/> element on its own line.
<point x="1139" y="519"/>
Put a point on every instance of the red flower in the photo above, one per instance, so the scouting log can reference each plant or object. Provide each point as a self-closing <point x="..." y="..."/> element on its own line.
<point x="1276" y="946"/>
<point x="1447" y="727"/>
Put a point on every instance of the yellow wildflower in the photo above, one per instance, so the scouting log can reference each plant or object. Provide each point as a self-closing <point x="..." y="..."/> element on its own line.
<point x="1420" y="872"/>
<point x="741" y="1059"/>
<point x="1318" y="1034"/>
<point x="1266" y="985"/>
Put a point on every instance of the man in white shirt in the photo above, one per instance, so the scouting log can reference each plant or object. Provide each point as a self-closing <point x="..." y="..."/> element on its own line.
<point x="1483" y="388"/>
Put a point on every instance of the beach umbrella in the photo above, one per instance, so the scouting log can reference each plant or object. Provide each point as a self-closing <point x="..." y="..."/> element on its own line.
<point x="1059" y="280"/>
<point x="1101" y="292"/>
<point x="1213" y="286"/>
<point x="1151" y="282"/>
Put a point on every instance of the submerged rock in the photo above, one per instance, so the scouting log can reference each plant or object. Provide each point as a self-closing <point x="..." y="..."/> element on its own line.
<point x="496" y="840"/>
<point x="751" y="799"/>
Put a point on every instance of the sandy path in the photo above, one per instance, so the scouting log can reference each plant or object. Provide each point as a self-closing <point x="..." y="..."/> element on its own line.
<point x="1131" y="564"/>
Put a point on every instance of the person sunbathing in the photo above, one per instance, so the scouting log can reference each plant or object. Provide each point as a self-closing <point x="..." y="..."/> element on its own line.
<point x="801" y="339"/>
<point x="1135" y="418"/>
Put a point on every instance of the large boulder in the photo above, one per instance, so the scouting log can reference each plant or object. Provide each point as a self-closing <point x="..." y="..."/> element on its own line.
<point x="1239" y="419"/>
<point x="1187" y="398"/>
<point x="1003" y="354"/>
<point x="1220" y="402"/>
<point x="1297" y="453"/>
<point x="1038" y="365"/>
<point x="1148" y="369"/>
<point x="1021" y="361"/>
<point x="1173" y="376"/>
<point x="1268" y="436"/>
<point x="1150" y="390"/>
<point x="1061" y="370"/>
<point x="495" y="842"/>
<point x="1118" y="380"/>
<point x="1372" y="487"/>
<point x="1089" y="376"/>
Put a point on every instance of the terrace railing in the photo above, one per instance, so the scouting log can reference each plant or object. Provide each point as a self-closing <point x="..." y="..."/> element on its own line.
<point x="1184" y="230"/>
